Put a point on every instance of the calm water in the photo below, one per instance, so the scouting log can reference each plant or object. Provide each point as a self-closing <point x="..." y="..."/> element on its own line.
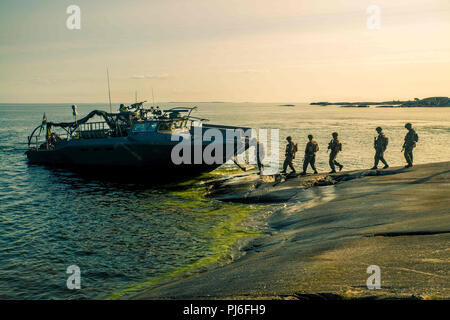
<point x="125" y="235"/>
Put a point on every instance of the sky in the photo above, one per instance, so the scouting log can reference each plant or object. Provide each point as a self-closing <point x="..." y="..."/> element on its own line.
<point x="224" y="50"/>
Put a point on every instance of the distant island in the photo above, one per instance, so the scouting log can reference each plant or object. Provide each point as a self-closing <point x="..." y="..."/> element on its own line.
<point x="355" y="106"/>
<point x="196" y="102"/>
<point x="287" y="105"/>
<point x="427" y="102"/>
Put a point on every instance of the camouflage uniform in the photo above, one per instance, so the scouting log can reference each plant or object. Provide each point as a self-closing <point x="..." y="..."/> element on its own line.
<point x="310" y="155"/>
<point x="290" y="155"/>
<point x="380" y="145"/>
<point x="409" y="145"/>
<point x="335" y="146"/>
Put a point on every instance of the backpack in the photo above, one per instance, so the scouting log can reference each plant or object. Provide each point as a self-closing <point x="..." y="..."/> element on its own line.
<point x="385" y="142"/>
<point x="338" y="145"/>
<point x="416" y="137"/>
<point x="316" y="147"/>
<point x="294" y="150"/>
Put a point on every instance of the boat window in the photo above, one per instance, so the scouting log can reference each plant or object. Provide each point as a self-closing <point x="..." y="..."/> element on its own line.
<point x="151" y="126"/>
<point x="145" y="127"/>
<point x="177" y="124"/>
<point x="171" y="125"/>
<point x="139" y="127"/>
<point x="165" y="125"/>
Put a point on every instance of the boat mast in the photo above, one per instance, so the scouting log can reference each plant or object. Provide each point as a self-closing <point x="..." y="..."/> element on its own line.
<point x="109" y="91"/>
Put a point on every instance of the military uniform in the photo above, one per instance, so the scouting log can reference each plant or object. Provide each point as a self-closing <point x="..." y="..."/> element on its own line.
<point x="380" y="145"/>
<point x="259" y="154"/>
<point x="310" y="155"/>
<point x="290" y="155"/>
<point x="335" y="146"/>
<point x="410" y="143"/>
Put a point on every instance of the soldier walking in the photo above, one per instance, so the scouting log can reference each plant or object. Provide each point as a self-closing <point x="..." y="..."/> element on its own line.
<point x="380" y="144"/>
<point x="259" y="154"/>
<point x="410" y="143"/>
<point x="335" y="146"/>
<point x="310" y="155"/>
<point x="291" y="149"/>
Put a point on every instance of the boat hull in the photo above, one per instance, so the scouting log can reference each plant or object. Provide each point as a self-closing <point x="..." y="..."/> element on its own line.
<point x="131" y="154"/>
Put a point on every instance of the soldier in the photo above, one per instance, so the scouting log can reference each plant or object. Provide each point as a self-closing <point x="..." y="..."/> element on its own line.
<point x="335" y="146"/>
<point x="291" y="149"/>
<point x="410" y="143"/>
<point x="122" y="108"/>
<point x="380" y="144"/>
<point x="259" y="154"/>
<point x="310" y="155"/>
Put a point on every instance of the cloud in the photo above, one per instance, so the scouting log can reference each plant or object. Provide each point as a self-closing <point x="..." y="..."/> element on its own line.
<point x="248" y="71"/>
<point x="152" y="77"/>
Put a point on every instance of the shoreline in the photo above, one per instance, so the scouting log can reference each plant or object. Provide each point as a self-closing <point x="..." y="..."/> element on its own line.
<point x="222" y="250"/>
<point x="395" y="218"/>
<point x="416" y="103"/>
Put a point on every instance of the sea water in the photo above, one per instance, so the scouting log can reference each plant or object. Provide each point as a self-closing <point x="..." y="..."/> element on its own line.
<point x="126" y="236"/>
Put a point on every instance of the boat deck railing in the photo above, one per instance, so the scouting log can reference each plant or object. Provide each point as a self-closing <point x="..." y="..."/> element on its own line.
<point x="92" y="130"/>
<point x="38" y="141"/>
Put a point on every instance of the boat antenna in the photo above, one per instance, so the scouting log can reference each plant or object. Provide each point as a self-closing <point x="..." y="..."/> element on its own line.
<point x="109" y="91"/>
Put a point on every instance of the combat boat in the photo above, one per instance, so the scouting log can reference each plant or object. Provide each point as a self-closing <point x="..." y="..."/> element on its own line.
<point x="134" y="141"/>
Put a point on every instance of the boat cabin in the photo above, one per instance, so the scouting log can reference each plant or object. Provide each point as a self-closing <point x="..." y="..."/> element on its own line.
<point x="134" y="122"/>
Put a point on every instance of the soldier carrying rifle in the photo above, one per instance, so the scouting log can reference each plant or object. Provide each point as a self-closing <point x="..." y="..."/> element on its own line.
<point x="380" y="144"/>
<point x="291" y="149"/>
<point x="335" y="146"/>
<point x="410" y="143"/>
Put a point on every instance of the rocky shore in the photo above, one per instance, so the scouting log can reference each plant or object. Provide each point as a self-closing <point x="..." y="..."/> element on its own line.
<point x="327" y="230"/>
<point x="418" y="103"/>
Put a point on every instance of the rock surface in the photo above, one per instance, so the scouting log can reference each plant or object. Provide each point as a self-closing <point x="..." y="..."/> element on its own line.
<point x="327" y="231"/>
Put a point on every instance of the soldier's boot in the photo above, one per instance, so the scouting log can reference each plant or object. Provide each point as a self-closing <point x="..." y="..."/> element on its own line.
<point x="340" y="167"/>
<point x="292" y="168"/>
<point x="385" y="163"/>
<point x="285" y="165"/>
<point x="332" y="171"/>
<point x="303" y="173"/>
<point x="315" y="172"/>
<point x="375" y="164"/>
